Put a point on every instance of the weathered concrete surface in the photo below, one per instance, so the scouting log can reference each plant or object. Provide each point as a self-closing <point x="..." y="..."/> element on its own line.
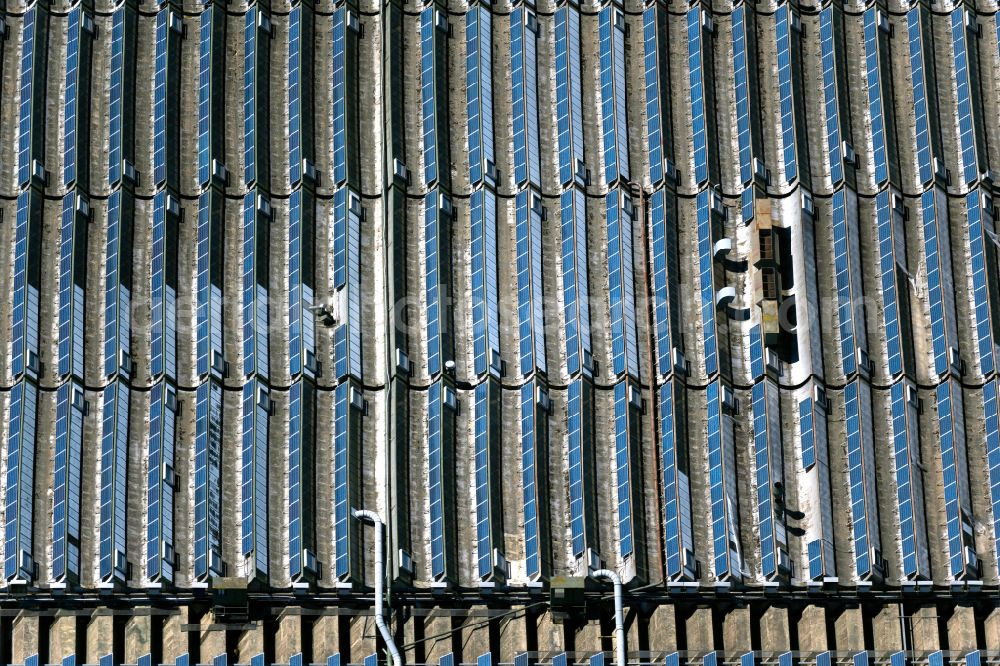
<point x="251" y="642"/>
<point x="213" y="637"/>
<point x="812" y="629"/>
<point x="363" y="636"/>
<point x="475" y="633"/>
<point x="700" y="631"/>
<point x="850" y="630"/>
<point x="887" y="631"/>
<point x="925" y="624"/>
<point x="326" y="634"/>
<point x="62" y="636"/>
<point x="138" y="636"/>
<point x="101" y="633"/>
<point x="774" y="635"/>
<point x="962" y="630"/>
<point x="288" y="638"/>
<point x="25" y="636"/>
<point x="736" y="630"/>
<point x="513" y="631"/>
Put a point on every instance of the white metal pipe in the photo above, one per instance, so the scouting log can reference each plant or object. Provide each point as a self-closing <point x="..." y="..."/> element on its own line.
<point x="620" y="658"/>
<point x="383" y="628"/>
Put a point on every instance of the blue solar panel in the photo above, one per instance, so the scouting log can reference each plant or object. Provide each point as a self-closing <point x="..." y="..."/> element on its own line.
<point x="722" y="487"/>
<point x="117" y="302"/>
<point x="347" y="277"/>
<point x="706" y="268"/>
<point x="434" y="263"/>
<point x="25" y="113"/>
<point x="72" y="289"/>
<point x="339" y="120"/>
<point x="485" y="471"/>
<point x="208" y="480"/>
<point x="435" y="477"/>
<point x="980" y="296"/>
<point x="250" y="95"/>
<point x="20" y="324"/>
<point x="576" y="444"/>
<point x="295" y="49"/>
<point x="954" y="473"/>
<point x="806" y="433"/>
<point x="164" y="295"/>
<point x="116" y="95"/>
<point x="524" y="97"/>
<point x="341" y="480"/>
<point x="697" y="87"/>
<point x="917" y="76"/>
<point x="656" y="116"/>
<point x="783" y="18"/>
<point x="575" y="283"/>
<point x="67" y="482"/>
<point x="532" y="466"/>
<point x="569" y="94"/>
<point x="830" y="104"/>
<point x="205" y="94"/>
<point x="677" y="524"/>
<point x="114" y="481"/>
<point x="253" y="492"/>
<point x="740" y="77"/>
<point x="909" y="493"/>
<point x="623" y="466"/>
<point x="160" y="494"/>
<point x="887" y="267"/>
<point x="479" y="91"/>
<point x="485" y="296"/>
<point x="611" y="31"/>
<point x="160" y="98"/>
<point x="531" y="323"/>
<point x="428" y="89"/>
<point x="861" y="473"/>
<point x="843" y="259"/>
<point x="768" y="471"/>
<point x="966" y="125"/>
<point x="204" y="285"/>
<point x="991" y="420"/>
<point x="875" y="95"/>
<point x="256" y="314"/>
<point x="621" y="291"/>
<point x="72" y="94"/>
<point x="666" y="267"/>
<point x="935" y="247"/>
